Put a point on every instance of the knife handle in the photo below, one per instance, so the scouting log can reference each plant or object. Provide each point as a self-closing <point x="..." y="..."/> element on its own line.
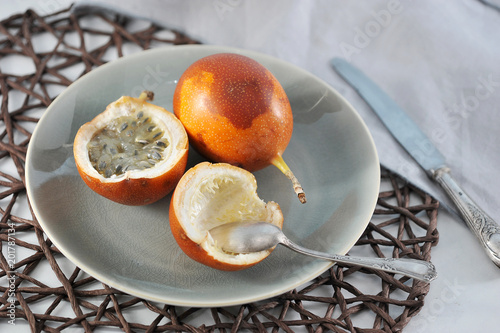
<point x="486" y="230"/>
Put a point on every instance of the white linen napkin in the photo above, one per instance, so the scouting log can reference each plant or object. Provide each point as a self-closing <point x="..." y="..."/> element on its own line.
<point x="438" y="60"/>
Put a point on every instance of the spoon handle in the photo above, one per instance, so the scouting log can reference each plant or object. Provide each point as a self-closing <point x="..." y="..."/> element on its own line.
<point x="417" y="269"/>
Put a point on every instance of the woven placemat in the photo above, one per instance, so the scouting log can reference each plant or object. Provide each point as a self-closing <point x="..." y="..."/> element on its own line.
<point x="403" y="224"/>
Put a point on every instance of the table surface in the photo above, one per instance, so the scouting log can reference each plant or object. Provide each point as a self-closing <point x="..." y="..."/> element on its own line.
<point x="467" y="290"/>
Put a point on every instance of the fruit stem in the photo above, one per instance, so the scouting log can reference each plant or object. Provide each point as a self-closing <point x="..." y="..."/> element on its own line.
<point x="279" y="162"/>
<point x="146" y="95"/>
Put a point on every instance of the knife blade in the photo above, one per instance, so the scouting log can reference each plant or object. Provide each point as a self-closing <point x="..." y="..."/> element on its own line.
<point x="423" y="151"/>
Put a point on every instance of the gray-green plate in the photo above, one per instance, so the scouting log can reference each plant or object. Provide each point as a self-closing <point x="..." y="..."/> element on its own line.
<point x="131" y="248"/>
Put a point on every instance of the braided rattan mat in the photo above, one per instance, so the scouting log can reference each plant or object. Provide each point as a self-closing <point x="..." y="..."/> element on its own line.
<point x="404" y="223"/>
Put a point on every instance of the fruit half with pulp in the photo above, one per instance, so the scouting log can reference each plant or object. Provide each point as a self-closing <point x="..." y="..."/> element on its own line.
<point x="133" y="153"/>
<point x="209" y="195"/>
<point x="235" y="111"/>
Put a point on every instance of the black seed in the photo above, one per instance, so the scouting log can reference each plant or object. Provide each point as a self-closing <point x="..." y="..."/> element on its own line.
<point x="151" y="128"/>
<point x="146" y="120"/>
<point x="161" y="144"/>
<point x="108" y="173"/>
<point x="113" y="151"/>
<point x="102" y="165"/>
<point x="123" y="127"/>
<point x="119" y="169"/>
<point x="157" y="135"/>
<point x="140" y="115"/>
<point x="156" y="155"/>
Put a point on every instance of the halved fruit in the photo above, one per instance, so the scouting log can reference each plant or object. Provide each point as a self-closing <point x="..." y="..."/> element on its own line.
<point x="133" y="153"/>
<point x="209" y="195"/>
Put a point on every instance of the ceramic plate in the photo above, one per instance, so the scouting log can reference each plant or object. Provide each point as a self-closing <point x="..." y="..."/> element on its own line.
<point x="132" y="249"/>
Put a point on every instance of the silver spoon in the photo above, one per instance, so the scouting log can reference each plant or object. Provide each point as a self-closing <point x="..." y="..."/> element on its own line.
<point x="248" y="237"/>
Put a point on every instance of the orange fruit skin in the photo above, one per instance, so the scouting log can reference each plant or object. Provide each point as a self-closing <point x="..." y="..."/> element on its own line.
<point x="138" y="191"/>
<point x="234" y="110"/>
<point x="195" y="251"/>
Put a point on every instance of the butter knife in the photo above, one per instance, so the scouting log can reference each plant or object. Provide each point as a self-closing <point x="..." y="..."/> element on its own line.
<point x="416" y="143"/>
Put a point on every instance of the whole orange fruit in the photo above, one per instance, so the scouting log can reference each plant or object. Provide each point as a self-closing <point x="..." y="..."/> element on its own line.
<point x="235" y="111"/>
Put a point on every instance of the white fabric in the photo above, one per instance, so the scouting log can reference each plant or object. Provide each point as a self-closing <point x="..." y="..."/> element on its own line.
<point x="438" y="60"/>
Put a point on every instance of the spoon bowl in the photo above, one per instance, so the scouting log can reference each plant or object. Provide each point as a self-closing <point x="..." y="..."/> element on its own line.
<point x="248" y="237"/>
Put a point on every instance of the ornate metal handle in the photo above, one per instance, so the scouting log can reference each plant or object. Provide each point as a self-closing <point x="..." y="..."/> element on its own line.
<point x="486" y="230"/>
<point x="417" y="269"/>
